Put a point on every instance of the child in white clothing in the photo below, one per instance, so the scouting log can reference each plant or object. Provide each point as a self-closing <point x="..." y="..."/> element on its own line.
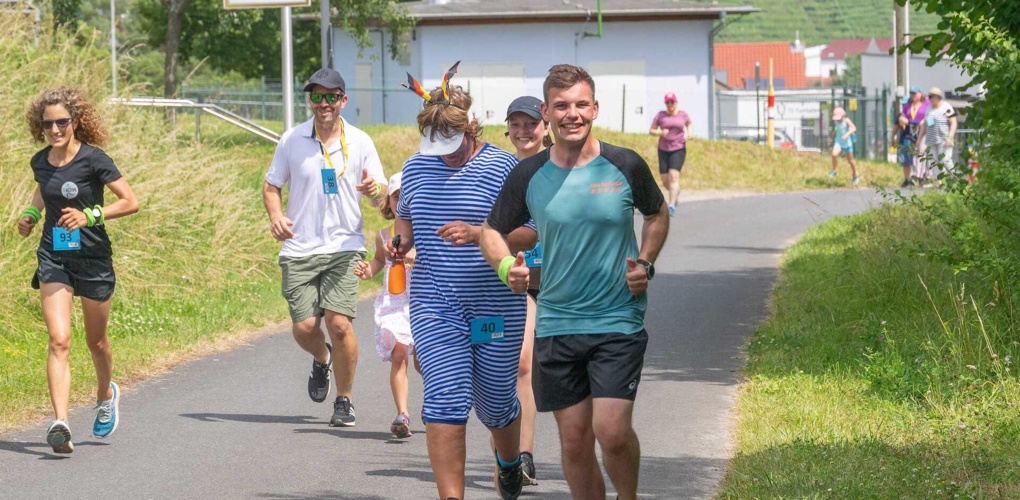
<point x="393" y="340"/>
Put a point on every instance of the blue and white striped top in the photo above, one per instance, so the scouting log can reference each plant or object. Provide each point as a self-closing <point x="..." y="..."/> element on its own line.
<point x="454" y="282"/>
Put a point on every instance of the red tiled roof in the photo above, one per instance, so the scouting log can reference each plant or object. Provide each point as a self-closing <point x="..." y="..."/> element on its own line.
<point x="840" y="49"/>
<point x="737" y="60"/>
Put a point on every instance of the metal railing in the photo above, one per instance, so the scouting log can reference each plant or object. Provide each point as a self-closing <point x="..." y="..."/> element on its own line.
<point x="209" y="108"/>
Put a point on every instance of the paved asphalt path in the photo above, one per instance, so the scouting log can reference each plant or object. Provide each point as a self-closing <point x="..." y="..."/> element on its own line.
<point x="240" y="424"/>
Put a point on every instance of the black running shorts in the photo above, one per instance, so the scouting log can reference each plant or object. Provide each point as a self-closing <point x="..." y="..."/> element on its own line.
<point x="89" y="277"/>
<point x="672" y="160"/>
<point x="568" y="368"/>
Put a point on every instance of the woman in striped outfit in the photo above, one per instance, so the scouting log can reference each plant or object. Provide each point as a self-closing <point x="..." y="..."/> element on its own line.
<point x="467" y="325"/>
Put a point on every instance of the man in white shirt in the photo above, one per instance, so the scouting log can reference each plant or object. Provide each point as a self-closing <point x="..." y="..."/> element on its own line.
<point x="329" y="165"/>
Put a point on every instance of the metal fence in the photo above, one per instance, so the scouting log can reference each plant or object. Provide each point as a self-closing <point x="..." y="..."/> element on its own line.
<point x="804" y="118"/>
<point x="262" y="102"/>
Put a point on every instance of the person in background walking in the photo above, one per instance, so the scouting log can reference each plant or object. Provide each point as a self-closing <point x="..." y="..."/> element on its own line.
<point x="938" y="130"/>
<point x="673" y="128"/>
<point x="905" y="134"/>
<point x="843" y="142"/>
<point x="75" y="255"/>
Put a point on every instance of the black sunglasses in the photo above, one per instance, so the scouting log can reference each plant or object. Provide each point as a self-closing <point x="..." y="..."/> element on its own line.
<point x="61" y="123"/>
<point x="330" y="98"/>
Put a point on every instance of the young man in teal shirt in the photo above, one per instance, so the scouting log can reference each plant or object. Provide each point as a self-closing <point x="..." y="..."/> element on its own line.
<point x="590" y="337"/>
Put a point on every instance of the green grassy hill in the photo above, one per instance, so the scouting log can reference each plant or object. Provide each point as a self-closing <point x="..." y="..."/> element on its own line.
<point x="819" y="21"/>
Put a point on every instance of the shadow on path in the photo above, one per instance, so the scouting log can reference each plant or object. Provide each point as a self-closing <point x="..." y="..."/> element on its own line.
<point x="29" y="448"/>
<point x="253" y="418"/>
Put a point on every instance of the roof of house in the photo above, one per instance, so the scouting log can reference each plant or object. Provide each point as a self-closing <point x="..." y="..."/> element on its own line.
<point x="840" y="49"/>
<point x="737" y="60"/>
<point x="525" y="11"/>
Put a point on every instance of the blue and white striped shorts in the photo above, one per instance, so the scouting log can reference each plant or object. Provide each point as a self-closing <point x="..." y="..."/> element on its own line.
<point x="459" y="376"/>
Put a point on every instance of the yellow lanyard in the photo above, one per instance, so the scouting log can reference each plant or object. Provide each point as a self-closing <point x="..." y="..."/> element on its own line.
<point x="343" y="147"/>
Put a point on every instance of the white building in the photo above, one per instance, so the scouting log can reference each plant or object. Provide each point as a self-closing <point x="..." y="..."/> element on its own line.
<point x="813" y="62"/>
<point x="646" y="49"/>
<point x="878" y="70"/>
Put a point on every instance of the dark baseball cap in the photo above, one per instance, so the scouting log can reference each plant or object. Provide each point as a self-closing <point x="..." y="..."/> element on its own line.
<point x="327" y="77"/>
<point x="527" y="105"/>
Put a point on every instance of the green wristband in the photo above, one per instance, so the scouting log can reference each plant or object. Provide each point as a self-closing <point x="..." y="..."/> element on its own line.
<point x="89" y="218"/>
<point x="504" y="269"/>
<point x="378" y="189"/>
<point x="102" y="216"/>
<point x="32" y="213"/>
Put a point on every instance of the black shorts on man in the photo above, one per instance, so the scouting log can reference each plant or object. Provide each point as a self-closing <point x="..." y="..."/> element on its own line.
<point x="569" y="368"/>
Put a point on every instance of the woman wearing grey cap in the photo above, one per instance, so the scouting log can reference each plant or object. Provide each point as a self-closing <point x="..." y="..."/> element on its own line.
<point x="529" y="135"/>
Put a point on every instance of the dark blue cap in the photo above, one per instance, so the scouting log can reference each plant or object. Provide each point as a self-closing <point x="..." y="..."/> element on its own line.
<point x="527" y="105"/>
<point x="327" y="77"/>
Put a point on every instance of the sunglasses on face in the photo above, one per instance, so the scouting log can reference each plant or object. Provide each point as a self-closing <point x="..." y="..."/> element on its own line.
<point x="670" y="102"/>
<point x="330" y="98"/>
<point x="61" y="123"/>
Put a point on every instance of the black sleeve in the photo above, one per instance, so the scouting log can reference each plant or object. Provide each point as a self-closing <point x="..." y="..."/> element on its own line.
<point x="647" y="195"/>
<point x="37" y="166"/>
<point x="103" y="167"/>
<point x="511" y="208"/>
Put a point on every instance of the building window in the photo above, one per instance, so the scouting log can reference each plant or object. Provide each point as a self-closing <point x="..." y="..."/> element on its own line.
<point x="404" y="49"/>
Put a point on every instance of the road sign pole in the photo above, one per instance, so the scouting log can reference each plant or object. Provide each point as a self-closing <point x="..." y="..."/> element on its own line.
<point x="288" y="70"/>
<point x="771" y="140"/>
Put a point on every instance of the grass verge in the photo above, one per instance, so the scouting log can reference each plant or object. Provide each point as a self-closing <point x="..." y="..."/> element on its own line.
<point x="880" y="374"/>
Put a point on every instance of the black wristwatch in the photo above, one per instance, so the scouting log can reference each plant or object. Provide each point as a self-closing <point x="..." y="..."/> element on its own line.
<point x="649" y="268"/>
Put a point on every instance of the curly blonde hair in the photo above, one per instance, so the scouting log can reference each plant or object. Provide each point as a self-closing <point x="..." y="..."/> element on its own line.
<point x="449" y="118"/>
<point x="88" y="125"/>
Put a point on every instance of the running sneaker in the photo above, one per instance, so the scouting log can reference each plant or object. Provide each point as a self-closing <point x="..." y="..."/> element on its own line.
<point x="855" y="180"/>
<point x="672" y="210"/>
<point x="401" y="426"/>
<point x="833" y="173"/>
<point x="58" y="435"/>
<point x="343" y="413"/>
<point x="528" y="468"/>
<point x="318" y="381"/>
<point x="508" y="480"/>
<point x="107" y="414"/>
<point x="907" y="183"/>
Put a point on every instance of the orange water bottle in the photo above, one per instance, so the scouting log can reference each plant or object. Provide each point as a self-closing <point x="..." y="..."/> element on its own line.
<point x="398" y="274"/>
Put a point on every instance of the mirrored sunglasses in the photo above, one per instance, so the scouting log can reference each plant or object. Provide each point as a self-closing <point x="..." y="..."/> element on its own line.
<point x="61" y="123"/>
<point x="330" y="98"/>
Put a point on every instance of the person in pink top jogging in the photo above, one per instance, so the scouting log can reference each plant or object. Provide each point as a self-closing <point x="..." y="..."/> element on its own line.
<point x="672" y="127"/>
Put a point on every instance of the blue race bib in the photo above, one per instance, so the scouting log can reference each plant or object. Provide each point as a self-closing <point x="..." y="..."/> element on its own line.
<point x="931" y="121"/>
<point x="533" y="257"/>
<point x="485" y="330"/>
<point x="64" y="240"/>
<point x="329" y="181"/>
